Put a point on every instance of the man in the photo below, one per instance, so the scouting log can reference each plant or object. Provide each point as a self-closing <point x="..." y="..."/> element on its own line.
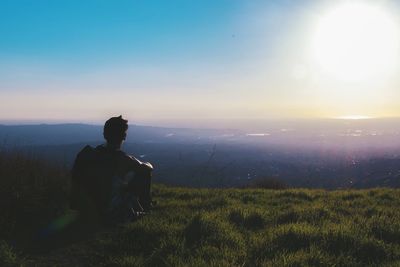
<point x="107" y="183"/>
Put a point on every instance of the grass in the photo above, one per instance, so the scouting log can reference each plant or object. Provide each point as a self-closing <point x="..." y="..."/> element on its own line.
<point x="221" y="227"/>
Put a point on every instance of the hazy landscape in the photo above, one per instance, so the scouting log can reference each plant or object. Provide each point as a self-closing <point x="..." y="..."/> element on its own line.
<point x="328" y="154"/>
<point x="256" y="211"/>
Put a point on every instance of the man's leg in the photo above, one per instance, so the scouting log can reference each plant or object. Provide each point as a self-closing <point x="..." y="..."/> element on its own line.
<point x="141" y="187"/>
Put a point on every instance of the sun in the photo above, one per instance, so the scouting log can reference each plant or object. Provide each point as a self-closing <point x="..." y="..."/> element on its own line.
<point x="356" y="41"/>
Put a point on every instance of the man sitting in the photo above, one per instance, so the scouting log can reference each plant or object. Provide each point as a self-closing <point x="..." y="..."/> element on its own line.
<point x="107" y="183"/>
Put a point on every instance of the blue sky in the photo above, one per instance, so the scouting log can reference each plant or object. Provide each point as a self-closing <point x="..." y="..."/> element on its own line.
<point x="88" y="33"/>
<point x="156" y="61"/>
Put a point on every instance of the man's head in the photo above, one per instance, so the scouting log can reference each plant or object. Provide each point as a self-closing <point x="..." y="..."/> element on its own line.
<point x="115" y="130"/>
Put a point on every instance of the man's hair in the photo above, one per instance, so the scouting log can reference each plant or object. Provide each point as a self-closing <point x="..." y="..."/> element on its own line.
<point x="115" y="129"/>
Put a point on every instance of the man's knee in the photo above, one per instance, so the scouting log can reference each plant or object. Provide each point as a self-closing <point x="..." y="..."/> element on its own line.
<point x="145" y="173"/>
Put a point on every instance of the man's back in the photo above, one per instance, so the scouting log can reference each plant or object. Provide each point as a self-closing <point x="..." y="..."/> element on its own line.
<point x="92" y="179"/>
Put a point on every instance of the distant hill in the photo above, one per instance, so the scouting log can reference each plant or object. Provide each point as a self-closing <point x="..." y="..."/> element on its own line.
<point x="360" y="136"/>
<point x="61" y="134"/>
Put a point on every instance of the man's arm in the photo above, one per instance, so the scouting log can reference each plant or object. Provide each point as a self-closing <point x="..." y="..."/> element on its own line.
<point x="137" y="165"/>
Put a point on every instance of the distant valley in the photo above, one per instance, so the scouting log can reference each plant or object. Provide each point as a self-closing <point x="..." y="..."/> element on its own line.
<point x="327" y="154"/>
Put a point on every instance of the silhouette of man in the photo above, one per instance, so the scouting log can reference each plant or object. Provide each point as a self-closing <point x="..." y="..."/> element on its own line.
<point x="106" y="182"/>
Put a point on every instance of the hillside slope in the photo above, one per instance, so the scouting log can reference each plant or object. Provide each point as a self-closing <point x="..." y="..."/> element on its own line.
<point x="232" y="227"/>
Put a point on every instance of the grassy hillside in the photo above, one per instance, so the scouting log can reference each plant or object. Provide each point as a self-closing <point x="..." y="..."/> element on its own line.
<point x="210" y="227"/>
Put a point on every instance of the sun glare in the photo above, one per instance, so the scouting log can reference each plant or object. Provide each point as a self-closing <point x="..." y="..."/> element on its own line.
<point x="356" y="41"/>
<point x="354" y="117"/>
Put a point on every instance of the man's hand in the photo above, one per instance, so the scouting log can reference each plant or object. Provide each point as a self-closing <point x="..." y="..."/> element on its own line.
<point x="147" y="165"/>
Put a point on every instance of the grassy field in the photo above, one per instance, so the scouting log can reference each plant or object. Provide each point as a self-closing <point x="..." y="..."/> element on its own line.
<point x="219" y="227"/>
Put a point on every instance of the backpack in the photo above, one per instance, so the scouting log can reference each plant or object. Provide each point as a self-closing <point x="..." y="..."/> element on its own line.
<point x="91" y="182"/>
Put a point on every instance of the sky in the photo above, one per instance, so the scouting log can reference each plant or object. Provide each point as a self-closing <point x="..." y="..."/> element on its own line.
<point x="197" y="63"/>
